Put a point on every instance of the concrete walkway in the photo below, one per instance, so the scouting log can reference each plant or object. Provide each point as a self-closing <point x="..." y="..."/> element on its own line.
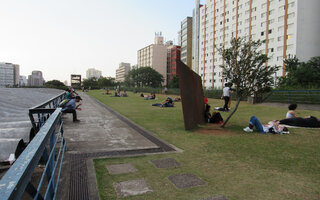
<point x="100" y="133"/>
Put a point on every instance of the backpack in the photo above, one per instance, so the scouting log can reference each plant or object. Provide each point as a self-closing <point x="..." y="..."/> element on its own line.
<point x="63" y="103"/>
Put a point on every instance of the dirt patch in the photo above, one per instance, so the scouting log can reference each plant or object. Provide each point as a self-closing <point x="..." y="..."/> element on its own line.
<point x="214" y="129"/>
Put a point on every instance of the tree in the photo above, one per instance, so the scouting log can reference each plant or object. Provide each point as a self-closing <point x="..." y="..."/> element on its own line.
<point x="106" y="82"/>
<point x="174" y="82"/>
<point x="144" y="77"/>
<point x="301" y="74"/>
<point x="90" y="83"/>
<point x="246" y="68"/>
<point x="55" y="84"/>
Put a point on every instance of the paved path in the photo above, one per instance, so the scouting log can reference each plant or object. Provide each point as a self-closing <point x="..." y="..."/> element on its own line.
<point x="100" y="130"/>
<point x="100" y="133"/>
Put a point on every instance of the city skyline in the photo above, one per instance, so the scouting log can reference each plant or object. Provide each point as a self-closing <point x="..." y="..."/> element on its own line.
<point x="63" y="38"/>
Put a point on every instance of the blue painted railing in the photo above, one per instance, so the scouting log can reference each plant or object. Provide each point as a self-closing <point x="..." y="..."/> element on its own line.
<point x="17" y="180"/>
<point x="40" y="113"/>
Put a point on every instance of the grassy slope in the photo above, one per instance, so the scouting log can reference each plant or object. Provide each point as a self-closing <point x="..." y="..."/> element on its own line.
<point x="237" y="165"/>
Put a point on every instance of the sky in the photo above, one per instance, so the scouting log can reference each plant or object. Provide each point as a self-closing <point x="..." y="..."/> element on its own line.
<point x="64" y="37"/>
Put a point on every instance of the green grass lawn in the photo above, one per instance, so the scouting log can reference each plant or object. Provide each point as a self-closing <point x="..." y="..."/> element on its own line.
<point x="233" y="163"/>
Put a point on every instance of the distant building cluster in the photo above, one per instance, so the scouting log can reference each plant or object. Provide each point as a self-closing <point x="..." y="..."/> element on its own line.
<point x="10" y="76"/>
<point x="288" y="28"/>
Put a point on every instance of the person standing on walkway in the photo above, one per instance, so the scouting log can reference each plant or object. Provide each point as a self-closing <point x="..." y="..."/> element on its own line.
<point x="226" y="96"/>
<point x="71" y="107"/>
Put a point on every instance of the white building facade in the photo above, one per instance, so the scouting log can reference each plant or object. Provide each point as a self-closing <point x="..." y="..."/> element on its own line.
<point x="288" y="27"/>
<point x="154" y="56"/>
<point x="93" y="73"/>
<point x="122" y="72"/>
<point x="186" y="41"/>
<point x="9" y="74"/>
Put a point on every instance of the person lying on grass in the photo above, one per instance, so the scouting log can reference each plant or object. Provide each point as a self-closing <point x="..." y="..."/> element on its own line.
<point x="167" y="103"/>
<point x="308" y="122"/>
<point x="214" y="118"/>
<point x="273" y="127"/>
<point x="149" y="97"/>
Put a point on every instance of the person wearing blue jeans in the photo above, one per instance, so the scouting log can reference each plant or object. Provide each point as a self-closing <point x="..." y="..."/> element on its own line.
<point x="254" y="122"/>
<point x="273" y="128"/>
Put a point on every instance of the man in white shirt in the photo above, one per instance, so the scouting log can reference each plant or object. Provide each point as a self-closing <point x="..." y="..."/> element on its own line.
<point x="226" y="96"/>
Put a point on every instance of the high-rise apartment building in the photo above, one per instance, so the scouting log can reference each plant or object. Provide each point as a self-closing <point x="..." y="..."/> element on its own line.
<point x="154" y="56"/>
<point x="9" y="74"/>
<point x="196" y="36"/>
<point x="288" y="27"/>
<point x="186" y="41"/>
<point x="35" y="79"/>
<point x="175" y="56"/>
<point x="23" y="81"/>
<point x="122" y="72"/>
<point x="93" y="73"/>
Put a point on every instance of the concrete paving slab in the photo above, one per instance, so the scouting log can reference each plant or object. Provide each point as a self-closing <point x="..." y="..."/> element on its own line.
<point x="186" y="180"/>
<point x="99" y="130"/>
<point x="132" y="188"/>
<point x="219" y="197"/>
<point x="121" y="168"/>
<point x="165" y="163"/>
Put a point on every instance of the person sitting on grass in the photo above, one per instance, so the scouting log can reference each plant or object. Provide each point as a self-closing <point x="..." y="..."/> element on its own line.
<point x="291" y="113"/>
<point x="167" y="103"/>
<point x="151" y="96"/>
<point x="124" y="94"/>
<point x="214" y="118"/>
<point x="308" y="122"/>
<point x="272" y="127"/>
<point x="71" y="107"/>
<point x="107" y="91"/>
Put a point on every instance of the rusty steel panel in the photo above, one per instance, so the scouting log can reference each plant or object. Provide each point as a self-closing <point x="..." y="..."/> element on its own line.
<point x="192" y="96"/>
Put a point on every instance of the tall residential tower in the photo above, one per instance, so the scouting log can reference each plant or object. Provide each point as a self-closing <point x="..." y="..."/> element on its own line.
<point x="288" y="27"/>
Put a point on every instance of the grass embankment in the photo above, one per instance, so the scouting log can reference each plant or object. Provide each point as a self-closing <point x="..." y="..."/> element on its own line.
<point x="233" y="163"/>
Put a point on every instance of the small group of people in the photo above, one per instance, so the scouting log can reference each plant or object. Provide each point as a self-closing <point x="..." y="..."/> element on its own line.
<point x="117" y="93"/>
<point x="279" y="126"/>
<point x="69" y="104"/>
<point x="166" y="103"/>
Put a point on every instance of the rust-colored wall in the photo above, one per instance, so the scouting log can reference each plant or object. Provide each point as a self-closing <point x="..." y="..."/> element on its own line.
<point x="191" y="95"/>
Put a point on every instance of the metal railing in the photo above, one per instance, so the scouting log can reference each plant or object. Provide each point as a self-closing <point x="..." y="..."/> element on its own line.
<point x="17" y="180"/>
<point x="293" y="96"/>
<point x="40" y="113"/>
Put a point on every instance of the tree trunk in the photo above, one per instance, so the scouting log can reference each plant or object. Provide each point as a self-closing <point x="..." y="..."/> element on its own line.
<point x="230" y="115"/>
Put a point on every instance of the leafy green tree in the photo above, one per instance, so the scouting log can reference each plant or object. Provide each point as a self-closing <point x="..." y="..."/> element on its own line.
<point x="144" y="77"/>
<point x="55" y="84"/>
<point x="301" y="74"/>
<point x="90" y="83"/>
<point x="174" y="82"/>
<point x="106" y="82"/>
<point x="246" y="68"/>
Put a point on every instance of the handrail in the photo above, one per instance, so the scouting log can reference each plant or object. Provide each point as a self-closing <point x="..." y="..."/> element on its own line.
<point x="52" y="100"/>
<point x="43" y="111"/>
<point x="17" y="180"/>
